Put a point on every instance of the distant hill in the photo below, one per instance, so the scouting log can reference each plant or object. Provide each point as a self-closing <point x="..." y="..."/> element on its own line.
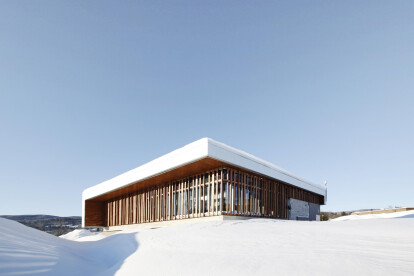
<point x="51" y="224"/>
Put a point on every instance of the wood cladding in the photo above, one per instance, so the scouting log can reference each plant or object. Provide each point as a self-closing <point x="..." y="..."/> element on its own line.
<point x="94" y="213"/>
<point x="181" y="172"/>
<point x="222" y="190"/>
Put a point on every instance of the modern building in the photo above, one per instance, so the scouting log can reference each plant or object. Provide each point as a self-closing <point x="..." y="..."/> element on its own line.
<point x="204" y="178"/>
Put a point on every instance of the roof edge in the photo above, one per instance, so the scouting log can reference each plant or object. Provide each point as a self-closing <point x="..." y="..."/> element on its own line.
<point x="202" y="148"/>
<point x="228" y="154"/>
<point x="172" y="160"/>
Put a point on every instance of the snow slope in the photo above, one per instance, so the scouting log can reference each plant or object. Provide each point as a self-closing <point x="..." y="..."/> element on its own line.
<point x="405" y="214"/>
<point x="249" y="247"/>
<point x="27" y="251"/>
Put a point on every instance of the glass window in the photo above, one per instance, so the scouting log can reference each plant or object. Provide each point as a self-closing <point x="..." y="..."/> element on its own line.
<point x="190" y="208"/>
<point x="236" y="198"/>
<point x="224" y="195"/>
<point x="206" y="195"/>
<point x="218" y="196"/>
<point x="176" y="204"/>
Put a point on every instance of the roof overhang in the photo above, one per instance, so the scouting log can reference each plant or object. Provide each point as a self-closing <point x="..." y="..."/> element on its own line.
<point x="214" y="153"/>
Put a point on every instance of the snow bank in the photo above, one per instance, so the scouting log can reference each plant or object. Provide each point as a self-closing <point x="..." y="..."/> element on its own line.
<point x="78" y="234"/>
<point x="404" y="214"/>
<point x="27" y="251"/>
<point x="249" y="247"/>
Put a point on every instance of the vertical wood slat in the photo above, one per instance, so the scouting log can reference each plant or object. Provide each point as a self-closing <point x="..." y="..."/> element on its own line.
<point x="212" y="192"/>
<point x="203" y="195"/>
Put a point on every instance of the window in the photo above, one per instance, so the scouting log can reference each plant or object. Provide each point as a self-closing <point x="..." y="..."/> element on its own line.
<point x="225" y="201"/>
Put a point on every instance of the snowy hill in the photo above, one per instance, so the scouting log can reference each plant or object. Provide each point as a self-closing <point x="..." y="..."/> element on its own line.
<point x="250" y="247"/>
<point x="25" y="250"/>
<point x="405" y="214"/>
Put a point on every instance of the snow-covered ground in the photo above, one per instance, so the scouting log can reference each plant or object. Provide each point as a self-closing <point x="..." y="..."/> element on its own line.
<point x="250" y="247"/>
<point x="79" y="234"/>
<point x="405" y="214"/>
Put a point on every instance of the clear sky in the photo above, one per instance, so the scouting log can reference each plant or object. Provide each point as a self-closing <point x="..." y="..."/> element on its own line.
<point x="91" y="89"/>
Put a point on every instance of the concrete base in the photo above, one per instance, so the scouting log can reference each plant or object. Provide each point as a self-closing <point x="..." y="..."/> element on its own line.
<point x="173" y="222"/>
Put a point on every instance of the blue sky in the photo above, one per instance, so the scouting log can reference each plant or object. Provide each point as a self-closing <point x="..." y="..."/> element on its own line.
<point x="91" y="89"/>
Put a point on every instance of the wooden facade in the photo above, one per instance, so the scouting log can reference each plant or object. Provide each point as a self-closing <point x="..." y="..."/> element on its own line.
<point x="223" y="190"/>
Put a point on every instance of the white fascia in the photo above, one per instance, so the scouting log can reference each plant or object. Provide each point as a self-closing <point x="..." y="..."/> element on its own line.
<point x="230" y="155"/>
<point x="190" y="153"/>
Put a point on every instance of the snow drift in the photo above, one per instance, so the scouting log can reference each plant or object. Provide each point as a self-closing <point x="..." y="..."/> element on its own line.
<point x="78" y="234"/>
<point x="405" y="214"/>
<point x="27" y="251"/>
<point x="250" y="247"/>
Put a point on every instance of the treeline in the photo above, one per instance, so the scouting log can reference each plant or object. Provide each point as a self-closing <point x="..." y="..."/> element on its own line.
<point x="331" y="215"/>
<point x="51" y="224"/>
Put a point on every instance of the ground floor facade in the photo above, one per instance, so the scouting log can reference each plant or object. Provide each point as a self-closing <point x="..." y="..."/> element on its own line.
<point x="221" y="191"/>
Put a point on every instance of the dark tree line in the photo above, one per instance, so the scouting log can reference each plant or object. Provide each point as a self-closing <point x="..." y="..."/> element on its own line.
<point x="51" y="224"/>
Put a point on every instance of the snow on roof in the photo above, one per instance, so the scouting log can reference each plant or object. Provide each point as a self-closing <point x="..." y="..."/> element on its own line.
<point x="200" y="149"/>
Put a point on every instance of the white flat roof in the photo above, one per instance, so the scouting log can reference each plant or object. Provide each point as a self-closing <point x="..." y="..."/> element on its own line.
<point x="197" y="150"/>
